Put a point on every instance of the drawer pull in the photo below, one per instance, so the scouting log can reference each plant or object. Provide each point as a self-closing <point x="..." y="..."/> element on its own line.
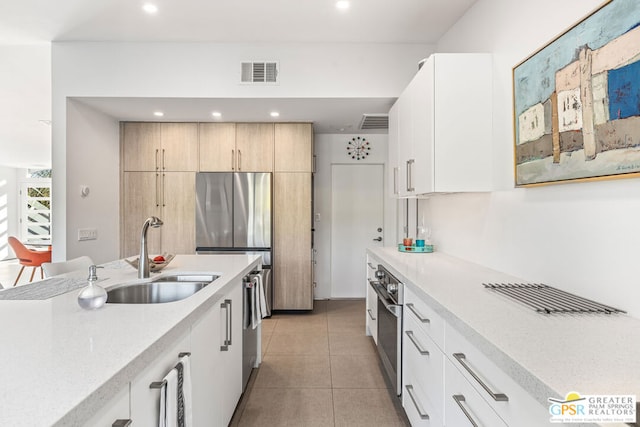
<point x="498" y="397"/>
<point x="418" y="315"/>
<point x="416" y="343"/>
<point x="458" y="398"/>
<point x="370" y="315"/>
<point x="421" y="412"/>
<point x="121" y="423"/>
<point x="371" y="266"/>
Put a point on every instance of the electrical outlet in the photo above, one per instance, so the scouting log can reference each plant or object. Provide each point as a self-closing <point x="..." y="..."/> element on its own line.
<point x="87" y="234"/>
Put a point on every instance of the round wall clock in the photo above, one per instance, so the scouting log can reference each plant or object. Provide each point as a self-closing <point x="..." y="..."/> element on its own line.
<point x="358" y="148"/>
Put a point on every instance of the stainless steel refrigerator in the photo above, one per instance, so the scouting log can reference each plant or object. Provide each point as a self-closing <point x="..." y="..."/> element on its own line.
<point x="233" y="215"/>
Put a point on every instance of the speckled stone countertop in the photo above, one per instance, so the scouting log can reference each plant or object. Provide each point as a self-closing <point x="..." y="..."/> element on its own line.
<point x="60" y="363"/>
<point x="548" y="355"/>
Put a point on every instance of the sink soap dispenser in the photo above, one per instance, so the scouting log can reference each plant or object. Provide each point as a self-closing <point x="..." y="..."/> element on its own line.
<point x="92" y="296"/>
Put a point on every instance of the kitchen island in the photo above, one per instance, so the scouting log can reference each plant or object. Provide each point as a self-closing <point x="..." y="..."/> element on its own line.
<point x="61" y="364"/>
<point x="540" y="356"/>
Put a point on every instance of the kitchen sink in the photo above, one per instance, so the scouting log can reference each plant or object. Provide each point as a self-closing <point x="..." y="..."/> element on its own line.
<point x="161" y="290"/>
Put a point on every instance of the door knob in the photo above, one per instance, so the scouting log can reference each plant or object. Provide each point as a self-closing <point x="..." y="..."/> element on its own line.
<point x="379" y="239"/>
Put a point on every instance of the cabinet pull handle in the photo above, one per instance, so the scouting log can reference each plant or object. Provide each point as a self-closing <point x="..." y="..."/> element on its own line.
<point x="395" y="180"/>
<point x="416" y="343"/>
<point x="371" y="266"/>
<point x="410" y="175"/>
<point x="228" y="327"/>
<point x="157" y="187"/>
<point x="163" y="189"/>
<point x="498" y="397"/>
<point x="458" y="398"/>
<point x="418" y="315"/>
<point x="421" y="412"/>
<point x="159" y="384"/>
<point x="239" y="160"/>
<point x="370" y="315"/>
<point x="164" y="167"/>
<point x="121" y="423"/>
<point x="156" y="158"/>
<point x="233" y="160"/>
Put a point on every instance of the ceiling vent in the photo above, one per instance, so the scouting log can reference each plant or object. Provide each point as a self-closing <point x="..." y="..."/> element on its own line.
<point x="374" y="121"/>
<point x="259" y="72"/>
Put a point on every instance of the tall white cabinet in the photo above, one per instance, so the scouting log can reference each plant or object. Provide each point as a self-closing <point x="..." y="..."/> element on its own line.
<point x="440" y="128"/>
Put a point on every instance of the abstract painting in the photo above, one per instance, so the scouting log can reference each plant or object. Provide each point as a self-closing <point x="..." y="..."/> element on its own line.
<point x="577" y="101"/>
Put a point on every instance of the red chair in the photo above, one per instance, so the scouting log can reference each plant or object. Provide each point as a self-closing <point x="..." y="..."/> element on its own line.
<point x="29" y="258"/>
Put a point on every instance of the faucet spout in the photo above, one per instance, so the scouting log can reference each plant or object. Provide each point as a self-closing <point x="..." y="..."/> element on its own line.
<point x="143" y="261"/>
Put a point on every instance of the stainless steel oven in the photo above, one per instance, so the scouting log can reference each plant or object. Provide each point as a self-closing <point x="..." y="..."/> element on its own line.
<point x="390" y="299"/>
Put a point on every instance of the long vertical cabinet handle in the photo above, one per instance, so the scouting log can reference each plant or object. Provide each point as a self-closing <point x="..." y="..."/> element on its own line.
<point x="157" y="166"/>
<point x="410" y="163"/>
<point x="228" y="302"/>
<point x="224" y="306"/>
<point x="395" y="180"/>
<point x="164" y="176"/>
<point x="498" y="397"/>
<point x="157" y="190"/>
<point x="164" y="167"/>
<point x="458" y="398"/>
<point x="421" y="412"/>
<point x="233" y="160"/>
<point x="239" y="160"/>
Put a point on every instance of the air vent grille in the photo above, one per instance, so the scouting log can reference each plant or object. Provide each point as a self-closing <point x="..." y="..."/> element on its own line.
<point x="374" y="121"/>
<point x="259" y="72"/>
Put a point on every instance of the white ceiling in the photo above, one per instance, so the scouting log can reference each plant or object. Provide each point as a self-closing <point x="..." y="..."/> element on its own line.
<point x="250" y="21"/>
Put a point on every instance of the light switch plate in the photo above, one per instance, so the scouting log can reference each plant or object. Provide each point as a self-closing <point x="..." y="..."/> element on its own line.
<point x="87" y="234"/>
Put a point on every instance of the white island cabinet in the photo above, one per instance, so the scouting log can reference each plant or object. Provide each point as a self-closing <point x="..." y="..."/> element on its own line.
<point x="93" y="368"/>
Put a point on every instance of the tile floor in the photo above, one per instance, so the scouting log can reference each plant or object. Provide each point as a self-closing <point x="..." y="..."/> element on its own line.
<point x="319" y="369"/>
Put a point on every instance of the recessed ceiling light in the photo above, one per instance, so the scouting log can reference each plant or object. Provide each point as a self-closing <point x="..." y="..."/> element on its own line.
<point x="216" y="114"/>
<point x="342" y="4"/>
<point x="158" y="113"/>
<point x="275" y="114"/>
<point x="150" y="8"/>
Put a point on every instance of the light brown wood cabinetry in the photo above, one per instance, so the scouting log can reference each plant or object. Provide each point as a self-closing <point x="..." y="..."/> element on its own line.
<point x="159" y="146"/>
<point x="167" y="195"/>
<point x="236" y="147"/>
<point x="293" y="147"/>
<point x="293" y="282"/>
<point x="217" y="147"/>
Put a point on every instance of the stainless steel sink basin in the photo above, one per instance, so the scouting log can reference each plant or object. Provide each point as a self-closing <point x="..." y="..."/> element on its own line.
<point x="160" y="290"/>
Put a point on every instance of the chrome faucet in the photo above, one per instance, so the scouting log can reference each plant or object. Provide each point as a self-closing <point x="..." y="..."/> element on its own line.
<point x="143" y="261"/>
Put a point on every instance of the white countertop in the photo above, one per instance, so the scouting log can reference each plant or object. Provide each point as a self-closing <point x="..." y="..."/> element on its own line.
<point x="60" y="362"/>
<point x="548" y="355"/>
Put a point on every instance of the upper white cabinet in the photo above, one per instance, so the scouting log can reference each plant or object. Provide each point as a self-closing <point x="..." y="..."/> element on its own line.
<point x="440" y="128"/>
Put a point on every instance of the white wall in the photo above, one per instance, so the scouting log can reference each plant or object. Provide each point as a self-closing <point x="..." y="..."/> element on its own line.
<point x="330" y="149"/>
<point x="203" y="70"/>
<point x="93" y="162"/>
<point x="25" y="85"/>
<point x="9" y="208"/>
<point x="581" y="237"/>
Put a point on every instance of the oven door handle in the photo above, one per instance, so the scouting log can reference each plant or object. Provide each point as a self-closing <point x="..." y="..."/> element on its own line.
<point x="394" y="309"/>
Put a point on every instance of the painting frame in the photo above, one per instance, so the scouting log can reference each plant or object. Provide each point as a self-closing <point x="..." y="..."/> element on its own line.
<point x="575" y="117"/>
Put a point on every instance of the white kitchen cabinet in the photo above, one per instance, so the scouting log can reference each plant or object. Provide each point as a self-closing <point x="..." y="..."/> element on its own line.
<point x="371" y="322"/>
<point x="520" y="409"/>
<point x="463" y="404"/>
<point x="393" y="167"/>
<point x="145" y="401"/>
<point x="216" y="361"/>
<point x="444" y="126"/>
<point x="117" y="408"/>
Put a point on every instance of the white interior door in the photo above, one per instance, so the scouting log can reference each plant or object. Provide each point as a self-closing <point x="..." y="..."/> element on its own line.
<point x="357" y="208"/>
